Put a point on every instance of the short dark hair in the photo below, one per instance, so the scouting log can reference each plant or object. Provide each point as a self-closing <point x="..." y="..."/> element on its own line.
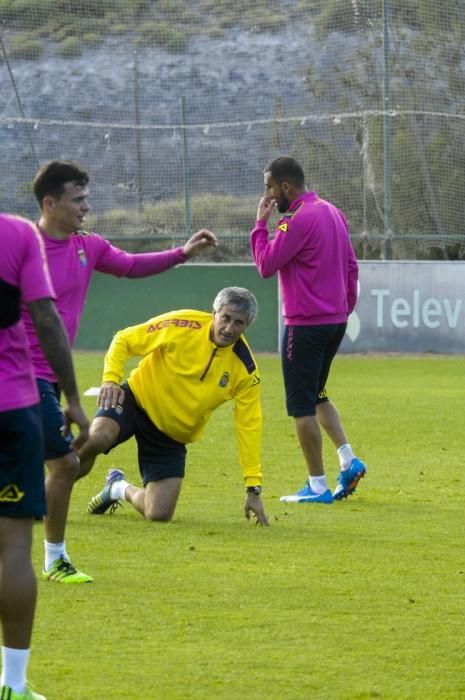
<point x="286" y="169"/>
<point x="52" y="177"/>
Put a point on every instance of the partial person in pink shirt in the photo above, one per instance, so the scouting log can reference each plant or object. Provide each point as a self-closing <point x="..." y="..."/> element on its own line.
<point x="312" y="254"/>
<point x="24" y="279"/>
<point x="61" y="189"/>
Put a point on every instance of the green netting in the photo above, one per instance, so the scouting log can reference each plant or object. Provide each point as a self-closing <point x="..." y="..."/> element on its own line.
<point x="175" y="108"/>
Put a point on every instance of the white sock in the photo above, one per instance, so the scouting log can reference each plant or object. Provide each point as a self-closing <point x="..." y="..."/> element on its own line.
<point x="345" y="456"/>
<point x="54" y="550"/>
<point x="318" y="484"/>
<point x="14" y="666"/>
<point x="118" y="488"/>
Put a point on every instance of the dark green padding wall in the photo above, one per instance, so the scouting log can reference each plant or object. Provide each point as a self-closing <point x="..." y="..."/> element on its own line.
<point x="114" y="303"/>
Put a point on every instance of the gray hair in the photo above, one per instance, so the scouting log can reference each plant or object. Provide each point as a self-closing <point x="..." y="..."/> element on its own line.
<point x="240" y="298"/>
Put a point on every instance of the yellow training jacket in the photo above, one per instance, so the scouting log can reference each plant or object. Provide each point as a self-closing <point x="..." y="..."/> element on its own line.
<point x="183" y="377"/>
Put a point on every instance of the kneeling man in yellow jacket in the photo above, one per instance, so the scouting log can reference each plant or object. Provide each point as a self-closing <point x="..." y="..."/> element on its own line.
<point x="192" y="363"/>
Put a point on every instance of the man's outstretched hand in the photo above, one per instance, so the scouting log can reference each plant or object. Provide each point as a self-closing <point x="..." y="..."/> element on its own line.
<point x="202" y="241"/>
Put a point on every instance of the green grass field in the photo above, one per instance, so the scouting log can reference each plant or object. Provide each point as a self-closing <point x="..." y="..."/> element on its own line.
<point x="361" y="599"/>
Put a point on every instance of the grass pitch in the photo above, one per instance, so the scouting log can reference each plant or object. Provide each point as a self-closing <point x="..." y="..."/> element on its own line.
<point x="356" y="600"/>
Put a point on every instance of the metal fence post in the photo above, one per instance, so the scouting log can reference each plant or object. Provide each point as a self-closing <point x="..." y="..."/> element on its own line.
<point x="185" y="170"/>
<point x="139" y="176"/>
<point x="388" y="232"/>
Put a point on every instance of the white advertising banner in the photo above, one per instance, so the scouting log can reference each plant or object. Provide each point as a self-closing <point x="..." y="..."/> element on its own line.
<point x="408" y="307"/>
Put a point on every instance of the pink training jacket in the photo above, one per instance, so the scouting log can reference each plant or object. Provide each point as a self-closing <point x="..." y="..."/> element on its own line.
<point x="71" y="263"/>
<point x="24" y="278"/>
<point x="316" y="264"/>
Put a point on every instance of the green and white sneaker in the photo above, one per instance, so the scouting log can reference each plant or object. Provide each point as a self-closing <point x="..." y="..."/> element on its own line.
<point x="8" y="694"/>
<point x="62" y="571"/>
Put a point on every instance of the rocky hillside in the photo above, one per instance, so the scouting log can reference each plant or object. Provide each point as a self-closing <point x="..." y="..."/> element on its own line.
<point x="245" y="76"/>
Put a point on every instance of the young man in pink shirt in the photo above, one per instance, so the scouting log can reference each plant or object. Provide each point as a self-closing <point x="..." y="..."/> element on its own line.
<point x="24" y="279"/>
<point x="61" y="189"/>
<point x="317" y="269"/>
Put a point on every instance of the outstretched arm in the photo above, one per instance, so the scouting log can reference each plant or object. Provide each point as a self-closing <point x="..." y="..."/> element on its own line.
<point x="55" y="345"/>
<point x="146" y="264"/>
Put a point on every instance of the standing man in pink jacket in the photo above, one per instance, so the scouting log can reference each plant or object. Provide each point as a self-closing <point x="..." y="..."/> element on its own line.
<point x="24" y="278"/>
<point x="318" y="272"/>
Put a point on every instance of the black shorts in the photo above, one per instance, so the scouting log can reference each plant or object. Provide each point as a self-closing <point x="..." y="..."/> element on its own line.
<point x="306" y="355"/>
<point x="22" y="491"/>
<point x="160" y="457"/>
<point x="56" y="444"/>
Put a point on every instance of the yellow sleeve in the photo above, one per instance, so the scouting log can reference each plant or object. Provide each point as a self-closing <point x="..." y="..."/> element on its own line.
<point x="135" y="341"/>
<point x="248" y="418"/>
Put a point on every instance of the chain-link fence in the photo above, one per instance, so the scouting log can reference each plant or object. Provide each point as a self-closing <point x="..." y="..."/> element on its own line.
<point x="175" y="108"/>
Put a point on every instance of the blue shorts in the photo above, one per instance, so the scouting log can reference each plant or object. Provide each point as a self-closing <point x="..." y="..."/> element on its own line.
<point x="56" y="445"/>
<point x="22" y="490"/>
<point x="306" y="356"/>
<point x="160" y="457"/>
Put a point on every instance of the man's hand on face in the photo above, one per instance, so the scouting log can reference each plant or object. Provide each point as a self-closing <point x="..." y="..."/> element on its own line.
<point x="266" y="207"/>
